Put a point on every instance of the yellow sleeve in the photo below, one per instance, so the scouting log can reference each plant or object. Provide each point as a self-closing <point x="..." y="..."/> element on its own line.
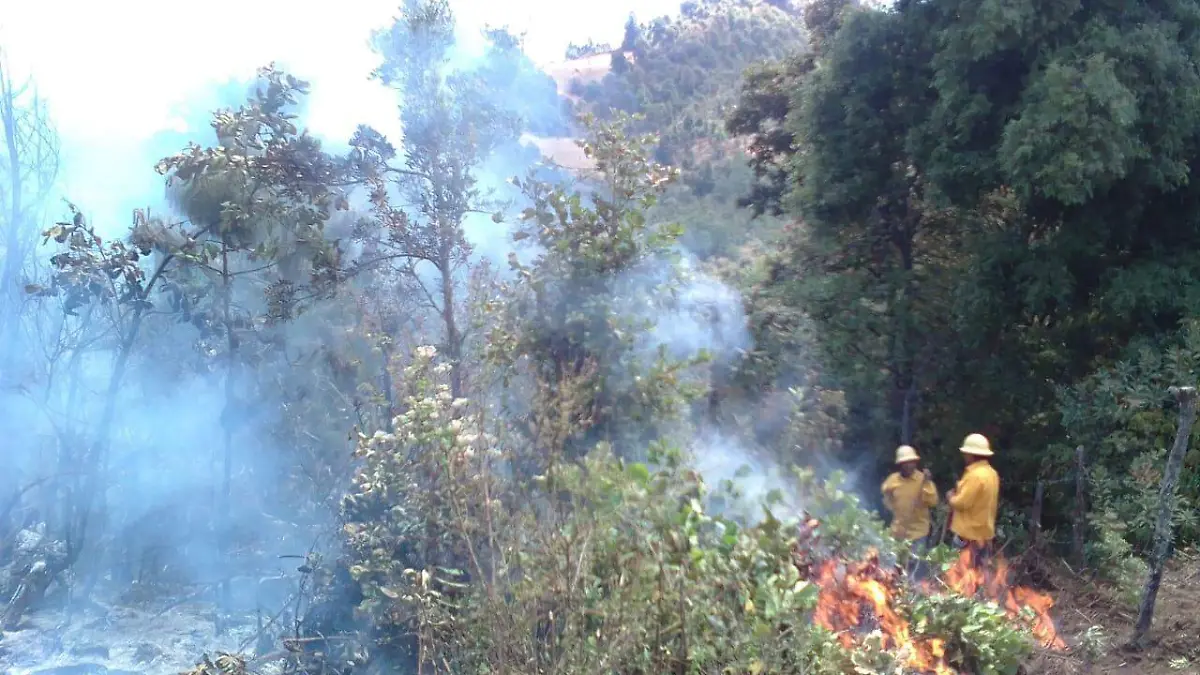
<point x="889" y="502"/>
<point x="968" y="491"/>
<point x="929" y="494"/>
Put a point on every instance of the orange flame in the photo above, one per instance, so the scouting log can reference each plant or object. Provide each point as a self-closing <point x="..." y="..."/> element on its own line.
<point x="969" y="578"/>
<point x="859" y="597"/>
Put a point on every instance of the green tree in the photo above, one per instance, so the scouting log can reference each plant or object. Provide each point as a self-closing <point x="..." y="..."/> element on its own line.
<point x="574" y="312"/>
<point x="452" y="122"/>
<point x="257" y="204"/>
<point x="762" y="114"/>
<point x="1059" y="140"/>
<point x="259" y="200"/>
<point x="633" y="34"/>
<point x="869" y="266"/>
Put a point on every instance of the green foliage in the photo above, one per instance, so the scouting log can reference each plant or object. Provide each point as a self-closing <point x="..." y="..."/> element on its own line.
<point x="595" y="565"/>
<point x="591" y="48"/>
<point x="509" y="530"/>
<point x="259" y="199"/>
<point x="681" y="76"/>
<point x="88" y="270"/>
<point x="581" y="312"/>
<point x="1120" y="414"/>
<point x="875" y="265"/>
<point x="256" y="203"/>
<point x="1109" y="553"/>
<point x="426" y="474"/>
<point x="492" y="539"/>
<point x="453" y="120"/>
<point x="995" y="206"/>
<point x="982" y="638"/>
<point x="632" y="34"/>
<point x="1133" y="498"/>
<point x="601" y="564"/>
<point x="519" y="87"/>
<point x="762" y="111"/>
<point x="705" y="203"/>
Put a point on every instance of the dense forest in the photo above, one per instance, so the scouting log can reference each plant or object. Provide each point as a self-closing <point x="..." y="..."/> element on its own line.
<point x="471" y="400"/>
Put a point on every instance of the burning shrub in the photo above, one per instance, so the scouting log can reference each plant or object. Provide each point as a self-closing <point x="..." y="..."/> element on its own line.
<point x="605" y="566"/>
<point x="982" y="636"/>
<point x="968" y="619"/>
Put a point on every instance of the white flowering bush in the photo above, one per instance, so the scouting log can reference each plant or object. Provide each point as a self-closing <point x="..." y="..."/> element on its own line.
<point x="420" y="501"/>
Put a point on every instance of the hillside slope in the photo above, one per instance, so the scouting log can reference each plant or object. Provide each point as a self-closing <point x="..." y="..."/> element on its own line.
<point x="685" y="71"/>
<point x="682" y="73"/>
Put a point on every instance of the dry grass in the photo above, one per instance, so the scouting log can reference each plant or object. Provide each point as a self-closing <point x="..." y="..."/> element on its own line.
<point x="563" y="150"/>
<point x="585" y="71"/>
<point x="1173" y="639"/>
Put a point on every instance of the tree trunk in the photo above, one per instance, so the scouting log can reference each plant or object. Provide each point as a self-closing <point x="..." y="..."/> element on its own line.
<point x="453" y="334"/>
<point x="224" y="599"/>
<point x="1186" y="396"/>
<point x="88" y="493"/>
<point x="1079" y="519"/>
<point x="14" y="255"/>
<point x="1035" y="517"/>
<point x="389" y="389"/>
<point x="905" y="356"/>
<point x="908" y="411"/>
<point x="95" y="468"/>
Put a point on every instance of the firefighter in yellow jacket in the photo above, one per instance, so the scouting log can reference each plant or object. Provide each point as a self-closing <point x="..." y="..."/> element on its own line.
<point x="974" y="500"/>
<point x="909" y="494"/>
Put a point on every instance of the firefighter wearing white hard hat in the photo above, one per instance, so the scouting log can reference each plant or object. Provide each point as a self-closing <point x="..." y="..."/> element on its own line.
<point x="973" y="502"/>
<point x="909" y="494"/>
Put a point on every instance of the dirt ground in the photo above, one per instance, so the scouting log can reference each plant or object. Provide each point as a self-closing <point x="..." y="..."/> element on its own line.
<point x="1172" y="646"/>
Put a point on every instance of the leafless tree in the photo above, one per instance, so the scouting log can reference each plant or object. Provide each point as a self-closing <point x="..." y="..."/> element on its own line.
<point x="29" y="164"/>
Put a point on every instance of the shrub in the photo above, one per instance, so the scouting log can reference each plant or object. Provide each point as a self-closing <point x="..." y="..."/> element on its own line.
<point x="593" y="566"/>
<point x="600" y="565"/>
<point x="1111" y="555"/>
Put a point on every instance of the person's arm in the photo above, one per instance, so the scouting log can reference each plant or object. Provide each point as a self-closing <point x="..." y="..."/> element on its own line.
<point x="929" y="494"/>
<point x="889" y="501"/>
<point x="966" y="494"/>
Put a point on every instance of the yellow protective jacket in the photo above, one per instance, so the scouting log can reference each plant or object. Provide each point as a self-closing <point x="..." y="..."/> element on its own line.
<point x="909" y="501"/>
<point x="974" y="503"/>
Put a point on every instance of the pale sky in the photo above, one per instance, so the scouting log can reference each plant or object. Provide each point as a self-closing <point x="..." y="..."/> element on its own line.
<point x="115" y="73"/>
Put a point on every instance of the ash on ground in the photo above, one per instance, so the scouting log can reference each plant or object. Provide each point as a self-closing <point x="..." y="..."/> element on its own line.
<point x="116" y="640"/>
<point x="124" y="629"/>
